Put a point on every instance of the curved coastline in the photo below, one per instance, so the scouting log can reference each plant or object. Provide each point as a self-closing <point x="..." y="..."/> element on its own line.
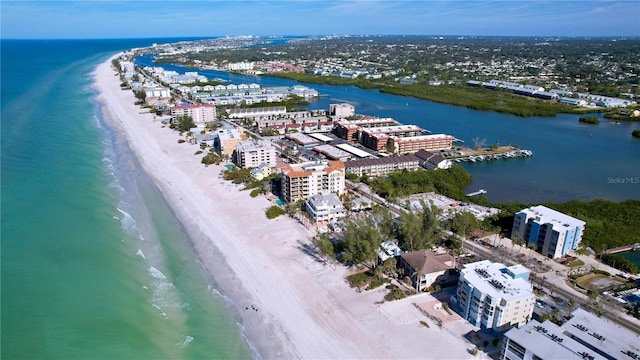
<point x="289" y="305"/>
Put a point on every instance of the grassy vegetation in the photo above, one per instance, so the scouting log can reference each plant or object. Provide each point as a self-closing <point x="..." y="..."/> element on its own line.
<point x="589" y="120"/>
<point x="365" y="279"/>
<point x="403" y="183"/>
<point x="474" y="98"/>
<point x="636" y="133"/>
<point x="274" y="211"/>
<point x="575" y="263"/>
<point x="619" y="117"/>
<point x="395" y="294"/>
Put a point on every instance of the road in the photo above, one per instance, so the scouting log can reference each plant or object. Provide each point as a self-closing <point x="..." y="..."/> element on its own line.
<point x="545" y="281"/>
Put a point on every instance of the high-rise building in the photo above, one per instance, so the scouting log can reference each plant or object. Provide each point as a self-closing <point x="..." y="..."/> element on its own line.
<point x="494" y="296"/>
<point x="553" y="232"/>
<point x="301" y="181"/>
<point x="251" y="153"/>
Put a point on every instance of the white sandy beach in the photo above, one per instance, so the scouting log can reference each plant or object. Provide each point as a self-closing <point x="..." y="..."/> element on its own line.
<point x="305" y="308"/>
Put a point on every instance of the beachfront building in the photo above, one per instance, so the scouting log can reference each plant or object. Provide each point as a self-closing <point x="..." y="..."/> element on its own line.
<point x="341" y="111"/>
<point x="251" y="153"/>
<point x="325" y="208"/>
<point x="388" y="249"/>
<point x="382" y="166"/>
<point x="201" y="114"/>
<point x="228" y="139"/>
<point x="584" y="336"/>
<point x="428" y="269"/>
<point x="553" y="232"/>
<point x="494" y="296"/>
<point x="260" y="172"/>
<point x="301" y="181"/>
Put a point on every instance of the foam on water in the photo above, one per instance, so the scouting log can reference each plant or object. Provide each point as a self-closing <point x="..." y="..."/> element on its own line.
<point x="185" y="341"/>
<point x="140" y="253"/>
<point x="128" y="223"/>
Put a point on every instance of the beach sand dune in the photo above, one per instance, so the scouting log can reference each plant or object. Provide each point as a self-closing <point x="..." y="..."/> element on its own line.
<point x="290" y="305"/>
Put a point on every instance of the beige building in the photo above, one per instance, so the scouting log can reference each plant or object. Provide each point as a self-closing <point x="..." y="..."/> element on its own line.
<point x="428" y="269"/>
<point x="228" y="139"/>
<point x="251" y="153"/>
<point x="341" y="111"/>
<point x="301" y="181"/>
<point x="200" y="113"/>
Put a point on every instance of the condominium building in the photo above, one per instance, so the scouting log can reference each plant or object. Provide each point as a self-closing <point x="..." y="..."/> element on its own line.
<point x="553" y="232"/>
<point x="349" y="129"/>
<point x="301" y="181"/>
<point x="341" y="111"/>
<point x="584" y="336"/>
<point x="435" y="142"/>
<point x="200" y="113"/>
<point x="382" y="166"/>
<point x="251" y="153"/>
<point x="377" y="138"/>
<point x="228" y="139"/>
<point x="494" y="296"/>
<point x="325" y="207"/>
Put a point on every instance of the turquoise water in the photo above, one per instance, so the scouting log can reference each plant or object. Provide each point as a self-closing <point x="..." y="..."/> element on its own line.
<point x="634" y="256"/>
<point x="570" y="161"/>
<point x="94" y="264"/>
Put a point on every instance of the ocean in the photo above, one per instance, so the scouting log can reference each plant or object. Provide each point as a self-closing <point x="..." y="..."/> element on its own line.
<point x="94" y="263"/>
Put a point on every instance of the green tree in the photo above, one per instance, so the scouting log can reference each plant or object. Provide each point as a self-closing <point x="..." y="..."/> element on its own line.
<point x="184" y="123"/>
<point x="360" y="239"/>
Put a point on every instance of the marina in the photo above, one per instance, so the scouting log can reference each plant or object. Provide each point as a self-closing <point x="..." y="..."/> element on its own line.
<point x="482" y="155"/>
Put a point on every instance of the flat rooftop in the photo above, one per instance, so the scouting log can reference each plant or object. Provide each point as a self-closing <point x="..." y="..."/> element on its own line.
<point x="547" y="215"/>
<point x="331" y="152"/>
<point x="495" y="280"/>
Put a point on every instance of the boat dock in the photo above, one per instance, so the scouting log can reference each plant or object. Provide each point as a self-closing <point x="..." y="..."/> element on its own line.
<point x="479" y="192"/>
<point x="620" y="249"/>
<point x="483" y="155"/>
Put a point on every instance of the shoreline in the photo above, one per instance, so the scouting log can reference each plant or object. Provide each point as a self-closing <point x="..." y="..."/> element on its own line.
<point x="289" y="305"/>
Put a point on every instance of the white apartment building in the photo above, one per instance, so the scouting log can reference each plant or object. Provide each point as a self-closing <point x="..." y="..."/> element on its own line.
<point x="325" y="207"/>
<point x="584" y="336"/>
<point x="553" y="232"/>
<point x="201" y="114"/>
<point x="157" y="92"/>
<point x="493" y="296"/>
<point x="301" y="181"/>
<point x="245" y="65"/>
<point x="341" y="111"/>
<point x="251" y="153"/>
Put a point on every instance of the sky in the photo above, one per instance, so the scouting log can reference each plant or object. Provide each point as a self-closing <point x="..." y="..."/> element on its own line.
<point x="152" y="19"/>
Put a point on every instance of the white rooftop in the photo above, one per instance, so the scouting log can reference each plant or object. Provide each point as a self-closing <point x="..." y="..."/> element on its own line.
<point x="583" y="334"/>
<point x="497" y="280"/>
<point x="547" y="215"/>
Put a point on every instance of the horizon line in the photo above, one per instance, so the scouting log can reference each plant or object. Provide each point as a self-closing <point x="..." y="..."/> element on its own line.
<point x="335" y="35"/>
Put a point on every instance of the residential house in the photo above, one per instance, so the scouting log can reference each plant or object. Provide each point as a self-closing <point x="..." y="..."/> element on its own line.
<point x="428" y="269"/>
